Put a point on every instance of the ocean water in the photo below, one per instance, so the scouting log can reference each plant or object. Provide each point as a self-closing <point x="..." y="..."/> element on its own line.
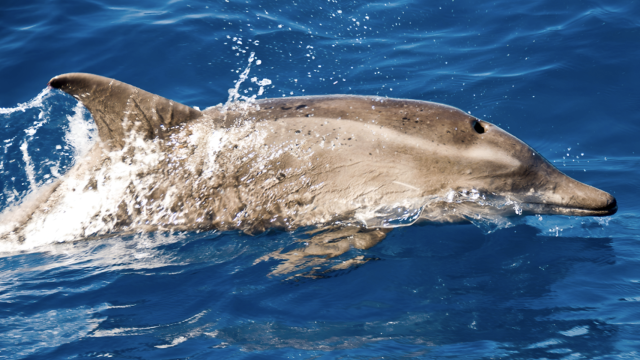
<point x="560" y="75"/>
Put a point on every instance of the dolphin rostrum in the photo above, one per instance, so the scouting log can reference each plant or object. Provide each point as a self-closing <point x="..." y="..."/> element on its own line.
<point x="292" y="162"/>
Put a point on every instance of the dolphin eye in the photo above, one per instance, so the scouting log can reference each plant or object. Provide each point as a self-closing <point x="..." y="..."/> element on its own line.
<point x="478" y="127"/>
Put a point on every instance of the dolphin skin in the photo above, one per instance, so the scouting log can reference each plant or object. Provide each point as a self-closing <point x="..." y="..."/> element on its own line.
<point x="294" y="162"/>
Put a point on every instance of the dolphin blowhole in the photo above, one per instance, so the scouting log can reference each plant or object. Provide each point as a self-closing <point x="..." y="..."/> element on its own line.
<point x="477" y="126"/>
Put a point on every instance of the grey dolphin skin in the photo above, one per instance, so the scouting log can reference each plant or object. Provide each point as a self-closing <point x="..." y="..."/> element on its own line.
<point x="303" y="161"/>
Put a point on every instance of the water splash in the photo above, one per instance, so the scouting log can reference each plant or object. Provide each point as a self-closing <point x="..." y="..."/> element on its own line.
<point x="50" y="160"/>
<point x="49" y="145"/>
<point x="488" y="212"/>
<point x="392" y="216"/>
<point x="37" y="102"/>
<point x="237" y="101"/>
<point x="28" y="165"/>
<point x="81" y="134"/>
<point x="89" y="203"/>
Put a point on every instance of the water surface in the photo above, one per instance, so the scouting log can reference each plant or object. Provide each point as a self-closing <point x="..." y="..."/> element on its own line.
<point x="561" y="76"/>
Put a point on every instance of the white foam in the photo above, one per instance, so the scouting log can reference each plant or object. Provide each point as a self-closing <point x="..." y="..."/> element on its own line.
<point x="81" y="133"/>
<point x="31" y="131"/>
<point x="576" y="331"/>
<point x="28" y="166"/>
<point x="174" y="342"/>
<point x="87" y="201"/>
<point x="38" y="101"/>
<point x="150" y="329"/>
<point x="18" y="213"/>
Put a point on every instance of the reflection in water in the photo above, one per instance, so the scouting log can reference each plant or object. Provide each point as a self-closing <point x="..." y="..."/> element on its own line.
<point x="454" y="295"/>
<point x="443" y="286"/>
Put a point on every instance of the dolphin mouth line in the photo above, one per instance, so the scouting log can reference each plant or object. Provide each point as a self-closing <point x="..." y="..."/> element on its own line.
<point x="610" y="209"/>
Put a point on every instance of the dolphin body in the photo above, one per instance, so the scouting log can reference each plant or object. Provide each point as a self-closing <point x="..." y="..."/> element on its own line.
<point x="292" y="162"/>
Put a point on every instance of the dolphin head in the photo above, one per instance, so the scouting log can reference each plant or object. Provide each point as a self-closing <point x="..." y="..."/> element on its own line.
<point x="435" y="148"/>
<point x="507" y="166"/>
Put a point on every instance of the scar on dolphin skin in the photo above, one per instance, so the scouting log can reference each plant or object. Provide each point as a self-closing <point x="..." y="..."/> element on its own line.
<point x="237" y="168"/>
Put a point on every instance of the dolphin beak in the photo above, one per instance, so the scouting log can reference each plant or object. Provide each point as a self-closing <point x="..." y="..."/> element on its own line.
<point x="585" y="200"/>
<point x="573" y="198"/>
<point x="602" y="204"/>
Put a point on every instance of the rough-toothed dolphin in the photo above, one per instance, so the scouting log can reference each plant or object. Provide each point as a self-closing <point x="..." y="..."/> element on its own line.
<point x="293" y="162"/>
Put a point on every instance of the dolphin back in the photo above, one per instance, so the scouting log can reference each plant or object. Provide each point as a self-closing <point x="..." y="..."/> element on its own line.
<point x="119" y="108"/>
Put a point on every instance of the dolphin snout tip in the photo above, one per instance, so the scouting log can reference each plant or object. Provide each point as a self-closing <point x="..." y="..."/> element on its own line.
<point x="611" y="205"/>
<point x="603" y="205"/>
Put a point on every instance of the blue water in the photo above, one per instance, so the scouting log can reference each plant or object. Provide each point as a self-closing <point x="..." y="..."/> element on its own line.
<point x="560" y="75"/>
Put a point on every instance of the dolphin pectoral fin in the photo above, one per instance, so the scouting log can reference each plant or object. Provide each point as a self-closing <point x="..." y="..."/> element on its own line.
<point x="119" y="108"/>
<point x="323" y="246"/>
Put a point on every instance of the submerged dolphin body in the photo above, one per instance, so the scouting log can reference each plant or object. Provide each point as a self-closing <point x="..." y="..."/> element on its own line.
<point x="293" y="162"/>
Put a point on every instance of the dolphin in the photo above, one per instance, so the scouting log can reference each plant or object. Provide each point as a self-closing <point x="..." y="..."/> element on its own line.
<point x="289" y="163"/>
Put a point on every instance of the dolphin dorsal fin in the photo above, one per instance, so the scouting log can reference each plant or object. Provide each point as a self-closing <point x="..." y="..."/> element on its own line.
<point x="119" y="108"/>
